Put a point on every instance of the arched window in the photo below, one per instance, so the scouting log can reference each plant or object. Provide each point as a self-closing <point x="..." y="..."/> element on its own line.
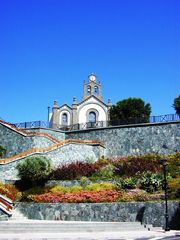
<point x="92" y="117"/>
<point x="96" y="91"/>
<point x="64" y="119"/>
<point x="88" y="90"/>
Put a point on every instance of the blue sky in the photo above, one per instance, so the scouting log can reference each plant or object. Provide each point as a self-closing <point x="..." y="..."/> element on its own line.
<point x="49" y="47"/>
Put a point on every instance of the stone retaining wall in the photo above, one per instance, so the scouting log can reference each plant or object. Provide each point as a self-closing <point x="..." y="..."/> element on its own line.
<point x="162" y="138"/>
<point x="144" y="212"/>
<point x="12" y="141"/>
<point x="75" y="152"/>
<point x="54" y="133"/>
<point x="15" y="142"/>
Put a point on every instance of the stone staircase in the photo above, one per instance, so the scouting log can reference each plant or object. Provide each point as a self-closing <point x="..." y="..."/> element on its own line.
<point x="19" y="227"/>
<point x="18" y="223"/>
<point x="45" y="226"/>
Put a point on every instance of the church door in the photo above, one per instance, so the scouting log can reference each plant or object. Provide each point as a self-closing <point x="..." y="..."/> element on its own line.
<point x="92" y="119"/>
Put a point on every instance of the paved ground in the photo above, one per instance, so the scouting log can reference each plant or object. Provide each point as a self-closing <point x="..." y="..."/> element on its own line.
<point x="123" y="235"/>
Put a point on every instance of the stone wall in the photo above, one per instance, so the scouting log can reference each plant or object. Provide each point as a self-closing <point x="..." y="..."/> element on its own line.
<point x="162" y="138"/>
<point x="15" y="143"/>
<point x="75" y="152"/>
<point x="54" y="133"/>
<point x="144" y="212"/>
<point x="65" y="154"/>
<point x="8" y="171"/>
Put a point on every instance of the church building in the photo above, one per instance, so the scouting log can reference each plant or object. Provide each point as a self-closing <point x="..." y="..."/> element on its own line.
<point x="91" y="112"/>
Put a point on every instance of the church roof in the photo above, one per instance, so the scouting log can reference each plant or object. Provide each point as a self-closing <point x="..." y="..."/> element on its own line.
<point x="65" y="105"/>
<point x="93" y="97"/>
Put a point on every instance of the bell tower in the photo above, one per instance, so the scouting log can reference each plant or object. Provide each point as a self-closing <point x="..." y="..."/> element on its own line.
<point x="92" y="88"/>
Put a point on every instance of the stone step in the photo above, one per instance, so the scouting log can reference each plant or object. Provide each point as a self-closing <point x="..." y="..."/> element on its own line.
<point x="4" y="218"/>
<point x="60" y="226"/>
<point x="17" y="215"/>
<point x="73" y="223"/>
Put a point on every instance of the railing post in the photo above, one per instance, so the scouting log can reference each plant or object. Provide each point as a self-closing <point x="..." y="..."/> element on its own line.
<point x="48" y="116"/>
<point x="164" y="163"/>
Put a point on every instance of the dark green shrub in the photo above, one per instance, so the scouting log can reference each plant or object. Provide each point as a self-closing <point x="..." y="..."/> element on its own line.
<point x="151" y="182"/>
<point x="73" y="171"/>
<point x="34" y="170"/>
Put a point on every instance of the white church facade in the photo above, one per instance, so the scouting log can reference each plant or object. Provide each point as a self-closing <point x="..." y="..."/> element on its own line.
<point x="91" y="112"/>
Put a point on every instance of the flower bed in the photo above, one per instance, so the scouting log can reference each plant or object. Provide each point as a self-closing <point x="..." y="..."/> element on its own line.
<point x="89" y="196"/>
<point x="85" y="196"/>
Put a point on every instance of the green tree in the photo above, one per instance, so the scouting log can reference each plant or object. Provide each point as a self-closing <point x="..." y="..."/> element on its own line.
<point x="131" y="110"/>
<point x="34" y="170"/>
<point x="176" y="104"/>
<point x="2" y="151"/>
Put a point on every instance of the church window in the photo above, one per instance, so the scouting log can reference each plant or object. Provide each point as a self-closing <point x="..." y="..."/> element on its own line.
<point x="88" y="90"/>
<point x="96" y="91"/>
<point x="64" y="119"/>
<point x="92" y="117"/>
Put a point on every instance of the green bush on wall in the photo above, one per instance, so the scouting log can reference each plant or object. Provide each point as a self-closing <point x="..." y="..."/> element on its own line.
<point x="34" y="170"/>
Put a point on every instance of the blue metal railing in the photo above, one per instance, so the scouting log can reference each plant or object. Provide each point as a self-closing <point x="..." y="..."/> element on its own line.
<point x="165" y="118"/>
<point x="33" y="124"/>
<point x="153" y="119"/>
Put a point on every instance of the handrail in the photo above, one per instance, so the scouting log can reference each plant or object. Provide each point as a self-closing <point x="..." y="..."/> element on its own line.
<point x="6" y="205"/>
<point x="5" y="198"/>
<point x="47" y="149"/>
<point x="32" y="124"/>
<point x="43" y="134"/>
<point x="26" y="134"/>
